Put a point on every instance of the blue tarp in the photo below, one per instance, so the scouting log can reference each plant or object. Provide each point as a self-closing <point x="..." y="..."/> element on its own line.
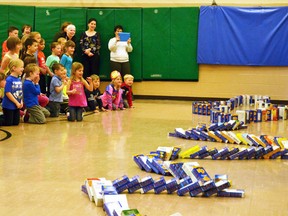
<point x="243" y="36"/>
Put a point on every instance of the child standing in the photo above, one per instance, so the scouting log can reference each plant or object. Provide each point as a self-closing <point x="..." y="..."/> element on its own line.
<point x="93" y="97"/>
<point x="53" y="58"/>
<point x="56" y="90"/>
<point x="75" y="91"/>
<point x="42" y="65"/>
<point x="31" y="90"/>
<point x="12" y="101"/>
<point x="112" y="97"/>
<point x="127" y="91"/>
<point x="30" y="48"/>
<point x="13" y="45"/>
<point x="67" y="57"/>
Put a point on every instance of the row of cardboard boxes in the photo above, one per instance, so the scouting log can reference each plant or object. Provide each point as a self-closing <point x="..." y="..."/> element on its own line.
<point x="231" y="137"/>
<point x="107" y="194"/>
<point x="204" y="107"/>
<point x="249" y="116"/>
<point x="152" y="163"/>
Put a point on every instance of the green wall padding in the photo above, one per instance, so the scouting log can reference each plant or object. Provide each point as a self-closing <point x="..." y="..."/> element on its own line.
<point x="47" y="22"/>
<point x="184" y="30"/>
<point x="4" y="15"/>
<point x="156" y="43"/>
<point x="20" y="15"/>
<point x="164" y="39"/>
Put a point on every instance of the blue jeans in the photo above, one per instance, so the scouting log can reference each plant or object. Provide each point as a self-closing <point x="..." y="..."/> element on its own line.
<point x="75" y="113"/>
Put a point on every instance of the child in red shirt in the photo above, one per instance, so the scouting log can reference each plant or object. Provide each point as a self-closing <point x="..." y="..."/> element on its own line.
<point x="127" y="91"/>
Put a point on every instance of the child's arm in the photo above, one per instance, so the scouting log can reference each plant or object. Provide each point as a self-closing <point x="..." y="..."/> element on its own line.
<point x="4" y="64"/>
<point x="13" y="99"/>
<point x="58" y="89"/>
<point x="72" y="91"/>
<point x="88" y="85"/>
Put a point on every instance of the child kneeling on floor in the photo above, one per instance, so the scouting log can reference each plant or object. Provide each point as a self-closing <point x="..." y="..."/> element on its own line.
<point x="112" y="97"/>
<point x="75" y="90"/>
<point x="31" y="90"/>
<point x="57" y="84"/>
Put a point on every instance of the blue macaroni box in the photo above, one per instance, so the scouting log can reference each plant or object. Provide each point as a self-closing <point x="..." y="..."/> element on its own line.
<point x="150" y="164"/>
<point x="159" y="182"/>
<point x="259" y="152"/>
<point x="220" y="153"/>
<point x="146" y="181"/>
<point x="243" y="154"/>
<point x="172" y="185"/>
<point x="195" y="192"/>
<point x="192" y="186"/>
<point x="136" y="160"/>
<point x="251" y="153"/>
<point x="222" y="184"/>
<point x="210" y="192"/>
<point x="204" y="155"/>
<point x="160" y="189"/>
<point x="143" y="161"/>
<point x="208" y="185"/>
<point x="231" y="152"/>
<point x="200" y="174"/>
<point x="185" y="181"/>
<point x="124" y="180"/>
<point x="147" y="188"/>
<point x="231" y="193"/>
<point x="134" y="184"/>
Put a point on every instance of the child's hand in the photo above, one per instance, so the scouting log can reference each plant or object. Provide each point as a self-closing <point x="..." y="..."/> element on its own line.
<point x="89" y="79"/>
<point x="36" y="79"/>
<point x="19" y="105"/>
<point x="73" y="91"/>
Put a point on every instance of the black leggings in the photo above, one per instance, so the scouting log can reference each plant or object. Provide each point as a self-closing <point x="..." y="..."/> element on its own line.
<point x="122" y="67"/>
<point x="11" y="117"/>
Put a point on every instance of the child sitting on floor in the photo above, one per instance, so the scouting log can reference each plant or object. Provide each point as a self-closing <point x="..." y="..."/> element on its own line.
<point x="112" y="97"/>
<point x="93" y="97"/>
<point x="127" y="91"/>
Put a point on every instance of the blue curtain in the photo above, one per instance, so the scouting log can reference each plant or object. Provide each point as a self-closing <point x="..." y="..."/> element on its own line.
<point x="243" y="36"/>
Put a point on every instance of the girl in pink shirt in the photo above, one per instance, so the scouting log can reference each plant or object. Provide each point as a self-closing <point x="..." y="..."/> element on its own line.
<point x="75" y="91"/>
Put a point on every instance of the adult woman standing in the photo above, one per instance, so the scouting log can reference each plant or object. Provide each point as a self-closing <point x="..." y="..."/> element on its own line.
<point x="119" y="58"/>
<point x="67" y="32"/>
<point x="90" y="46"/>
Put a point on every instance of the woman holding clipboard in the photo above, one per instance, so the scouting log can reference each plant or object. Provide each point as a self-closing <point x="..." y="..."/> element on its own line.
<point x="119" y="47"/>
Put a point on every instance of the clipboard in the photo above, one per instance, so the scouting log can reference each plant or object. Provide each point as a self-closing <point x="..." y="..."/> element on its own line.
<point x="124" y="36"/>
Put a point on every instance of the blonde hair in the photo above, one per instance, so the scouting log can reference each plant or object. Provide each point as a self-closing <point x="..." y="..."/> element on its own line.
<point x="127" y="76"/>
<point x="30" y="68"/>
<point x="15" y="63"/>
<point x="33" y="34"/>
<point x="61" y="40"/>
<point x="76" y="66"/>
<point x="95" y="77"/>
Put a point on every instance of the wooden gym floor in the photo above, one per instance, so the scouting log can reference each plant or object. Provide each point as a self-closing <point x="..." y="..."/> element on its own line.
<point x="43" y="166"/>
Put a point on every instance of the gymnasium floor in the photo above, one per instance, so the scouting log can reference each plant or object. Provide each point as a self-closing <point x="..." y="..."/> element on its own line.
<point x="44" y="166"/>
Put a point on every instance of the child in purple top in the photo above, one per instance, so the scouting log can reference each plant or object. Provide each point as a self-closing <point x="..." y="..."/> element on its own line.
<point x="75" y="91"/>
<point x="112" y="97"/>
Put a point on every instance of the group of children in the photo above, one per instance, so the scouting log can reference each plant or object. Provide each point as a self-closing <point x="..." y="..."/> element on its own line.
<point x="41" y="89"/>
<point x="24" y="96"/>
